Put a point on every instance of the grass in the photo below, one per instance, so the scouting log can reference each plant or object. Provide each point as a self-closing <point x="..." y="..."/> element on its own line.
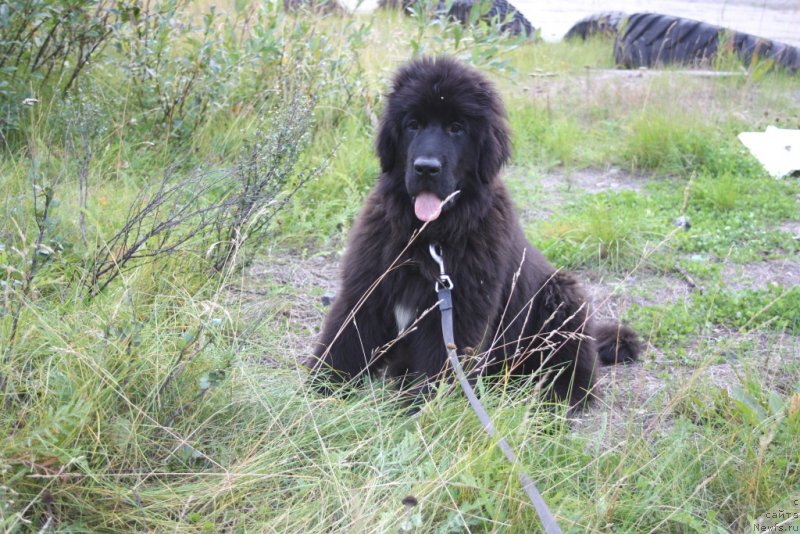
<point x="611" y="230"/>
<point x="774" y="308"/>
<point x="172" y="400"/>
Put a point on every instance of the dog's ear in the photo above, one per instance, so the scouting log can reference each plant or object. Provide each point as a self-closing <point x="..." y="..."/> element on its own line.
<point x="389" y="130"/>
<point x="494" y="148"/>
<point x="386" y="143"/>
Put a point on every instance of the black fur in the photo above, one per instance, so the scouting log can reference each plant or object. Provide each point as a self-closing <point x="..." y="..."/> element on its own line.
<point x="510" y="305"/>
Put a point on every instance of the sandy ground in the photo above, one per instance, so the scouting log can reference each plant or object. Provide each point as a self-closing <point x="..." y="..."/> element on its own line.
<point x="774" y="19"/>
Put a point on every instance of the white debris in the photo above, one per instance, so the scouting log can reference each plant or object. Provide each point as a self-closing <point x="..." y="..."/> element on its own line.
<point x="778" y="149"/>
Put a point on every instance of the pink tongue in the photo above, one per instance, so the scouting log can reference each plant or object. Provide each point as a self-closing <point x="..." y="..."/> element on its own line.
<point x="427" y="206"/>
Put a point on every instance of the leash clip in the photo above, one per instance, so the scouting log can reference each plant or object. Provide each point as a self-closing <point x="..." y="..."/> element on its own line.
<point x="436" y="254"/>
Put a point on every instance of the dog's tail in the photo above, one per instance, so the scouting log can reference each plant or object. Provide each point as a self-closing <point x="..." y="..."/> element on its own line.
<point x="616" y="343"/>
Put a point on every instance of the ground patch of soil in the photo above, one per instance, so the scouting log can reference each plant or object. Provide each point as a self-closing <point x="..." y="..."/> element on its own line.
<point x="612" y="295"/>
<point x="592" y="180"/>
<point x="759" y="275"/>
<point x="646" y="397"/>
<point x="791" y="227"/>
<point x="552" y="190"/>
<point x="283" y="293"/>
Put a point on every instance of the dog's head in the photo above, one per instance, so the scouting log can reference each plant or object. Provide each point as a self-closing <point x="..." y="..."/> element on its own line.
<point x="443" y="130"/>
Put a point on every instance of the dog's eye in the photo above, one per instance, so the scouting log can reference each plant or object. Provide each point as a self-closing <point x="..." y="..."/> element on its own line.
<point x="412" y="125"/>
<point x="455" y="128"/>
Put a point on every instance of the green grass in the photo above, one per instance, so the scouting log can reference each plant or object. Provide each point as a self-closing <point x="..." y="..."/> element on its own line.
<point x="733" y="209"/>
<point x="666" y="143"/>
<point x="172" y="400"/>
<point x="325" y="210"/>
<point x="605" y="229"/>
<point x="774" y="308"/>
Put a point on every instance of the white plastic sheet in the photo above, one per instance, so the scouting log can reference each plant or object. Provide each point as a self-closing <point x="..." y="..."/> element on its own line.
<point x="778" y="149"/>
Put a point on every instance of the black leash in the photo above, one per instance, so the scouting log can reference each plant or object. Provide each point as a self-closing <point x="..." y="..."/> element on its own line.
<point x="443" y="288"/>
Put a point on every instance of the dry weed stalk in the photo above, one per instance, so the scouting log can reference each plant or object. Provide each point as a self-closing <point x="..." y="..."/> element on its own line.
<point x="215" y="211"/>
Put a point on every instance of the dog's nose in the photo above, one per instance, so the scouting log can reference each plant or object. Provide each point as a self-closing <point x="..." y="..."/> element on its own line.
<point x="427" y="166"/>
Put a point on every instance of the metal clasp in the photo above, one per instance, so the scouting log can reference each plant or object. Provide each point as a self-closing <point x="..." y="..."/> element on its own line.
<point x="436" y="254"/>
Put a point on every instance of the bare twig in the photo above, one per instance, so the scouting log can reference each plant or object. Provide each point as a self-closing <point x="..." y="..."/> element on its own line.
<point x="83" y="188"/>
<point x="216" y="211"/>
<point x="180" y="363"/>
<point x="689" y="280"/>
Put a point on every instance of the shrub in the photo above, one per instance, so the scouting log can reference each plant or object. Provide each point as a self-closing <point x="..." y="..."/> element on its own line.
<point x="212" y="211"/>
<point x="47" y="44"/>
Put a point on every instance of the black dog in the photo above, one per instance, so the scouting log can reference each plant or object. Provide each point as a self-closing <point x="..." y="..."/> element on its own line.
<point x="443" y="135"/>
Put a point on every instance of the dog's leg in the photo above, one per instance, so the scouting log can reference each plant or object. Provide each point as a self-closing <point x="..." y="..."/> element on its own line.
<point x="425" y="357"/>
<point x="346" y="345"/>
<point x="559" y="341"/>
<point x="575" y="362"/>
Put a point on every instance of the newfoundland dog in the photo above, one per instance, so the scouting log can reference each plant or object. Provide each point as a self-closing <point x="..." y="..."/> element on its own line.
<point x="442" y="141"/>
